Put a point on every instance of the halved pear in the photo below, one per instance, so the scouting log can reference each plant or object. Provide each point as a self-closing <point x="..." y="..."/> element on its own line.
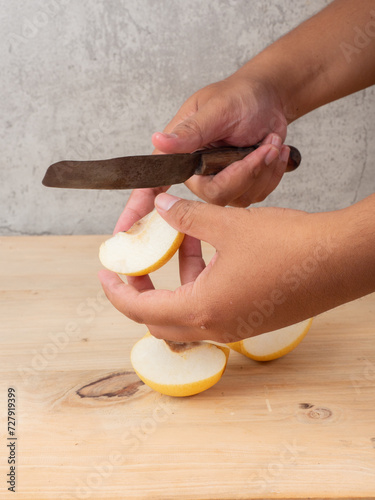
<point x="144" y="248"/>
<point x="178" y="369"/>
<point x="273" y="345"/>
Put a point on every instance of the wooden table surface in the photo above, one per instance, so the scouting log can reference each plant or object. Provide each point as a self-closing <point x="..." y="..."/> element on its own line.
<point x="299" y="427"/>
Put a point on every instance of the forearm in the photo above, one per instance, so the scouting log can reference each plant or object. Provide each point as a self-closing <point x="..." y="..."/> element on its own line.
<point x="327" y="57"/>
<point x="349" y="271"/>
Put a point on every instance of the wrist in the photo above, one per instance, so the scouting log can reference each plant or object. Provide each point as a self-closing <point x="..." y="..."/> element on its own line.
<point x="349" y="271"/>
<point x="297" y="88"/>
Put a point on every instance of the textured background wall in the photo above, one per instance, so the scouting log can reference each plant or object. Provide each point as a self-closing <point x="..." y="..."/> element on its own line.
<point x="83" y="79"/>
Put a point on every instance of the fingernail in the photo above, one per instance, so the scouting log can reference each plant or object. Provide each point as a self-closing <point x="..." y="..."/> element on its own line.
<point x="168" y="136"/>
<point x="271" y="155"/>
<point x="165" y="201"/>
<point x="276" y="141"/>
<point x="284" y="155"/>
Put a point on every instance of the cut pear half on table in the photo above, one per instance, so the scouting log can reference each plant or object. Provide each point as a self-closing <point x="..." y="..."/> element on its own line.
<point x="144" y="248"/>
<point x="178" y="369"/>
<point x="275" y="344"/>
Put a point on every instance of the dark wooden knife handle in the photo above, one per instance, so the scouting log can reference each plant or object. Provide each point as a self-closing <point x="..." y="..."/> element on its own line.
<point x="215" y="160"/>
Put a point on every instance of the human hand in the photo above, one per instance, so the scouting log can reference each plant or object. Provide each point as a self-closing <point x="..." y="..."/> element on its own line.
<point x="232" y="112"/>
<point x="273" y="267"/>
<point x="236" y="112"/>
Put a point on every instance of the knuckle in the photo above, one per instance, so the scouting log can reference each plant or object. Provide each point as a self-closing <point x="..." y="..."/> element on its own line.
<point x="192" y="127"/>
<point x="209" y="191"/>
<point x="253" y="174"/>
<point x="205" y="318"/>
<point x="185" y="214"/>
<point x="216" y="190"/>
<point x="243" y="201"/>
<point x="214" y="195"/>
<point x="133" y="315"/>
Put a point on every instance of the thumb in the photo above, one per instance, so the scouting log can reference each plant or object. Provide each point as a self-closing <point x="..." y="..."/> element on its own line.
<point x="194" y="218"/>
<point x="195" y="132"/>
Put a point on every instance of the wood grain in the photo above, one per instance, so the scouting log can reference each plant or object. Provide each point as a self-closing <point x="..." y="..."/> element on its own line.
<point x="299" y="427"/>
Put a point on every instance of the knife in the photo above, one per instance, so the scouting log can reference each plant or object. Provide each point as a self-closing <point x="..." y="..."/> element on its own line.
<point x="131" y="172"/>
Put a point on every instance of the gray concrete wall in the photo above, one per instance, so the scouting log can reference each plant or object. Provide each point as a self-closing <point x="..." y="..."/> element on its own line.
<point x="83" y="79"/>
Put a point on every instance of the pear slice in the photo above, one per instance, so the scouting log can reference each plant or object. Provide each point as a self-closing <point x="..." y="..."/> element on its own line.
<point x="273" y="345"/>
<point x="144" y="248"/>
<point x="178" y="369"/>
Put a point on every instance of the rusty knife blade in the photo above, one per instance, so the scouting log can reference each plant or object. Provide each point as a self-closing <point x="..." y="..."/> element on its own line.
<point x="129" y="172"/>
<point x="132" y="172"/>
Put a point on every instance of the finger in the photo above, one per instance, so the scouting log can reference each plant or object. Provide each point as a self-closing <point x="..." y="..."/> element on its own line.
<point x="274" y="139"/>
<point x="269" y="177"/>
<point x="179" y="333"/>
<point x="209" y="124"/>
<point x="190" y="259"/>
<point x="195" y="218"/>
<point x="140" y="203"/>
<point x="236" y="179"/>
<point x="188" y="109"/>
<point x="268" y="181"/>
<point x="150" y="307"/>
<point x="141" y="283"/>
<point x="277" y="174"/>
